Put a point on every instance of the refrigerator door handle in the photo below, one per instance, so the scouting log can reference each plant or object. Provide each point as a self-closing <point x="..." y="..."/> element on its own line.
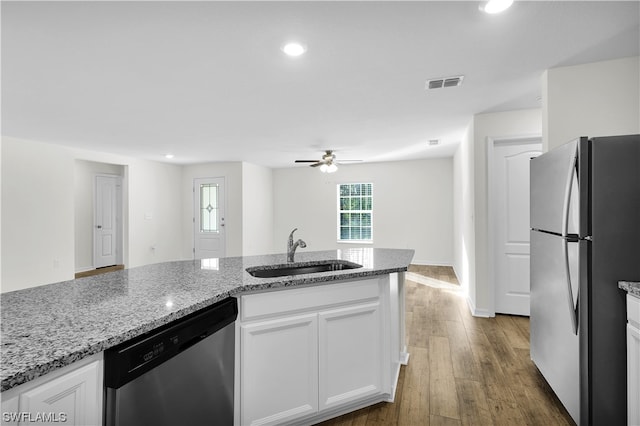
<point x="573" y="312"/>
<point x="566" y="208"/>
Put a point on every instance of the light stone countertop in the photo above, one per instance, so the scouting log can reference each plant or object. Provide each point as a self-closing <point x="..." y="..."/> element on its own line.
<point x="47" y="327"/>
<point x="630" y="287"/>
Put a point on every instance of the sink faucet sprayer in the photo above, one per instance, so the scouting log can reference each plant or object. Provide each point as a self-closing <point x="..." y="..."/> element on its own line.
<point x="291" y="246"/>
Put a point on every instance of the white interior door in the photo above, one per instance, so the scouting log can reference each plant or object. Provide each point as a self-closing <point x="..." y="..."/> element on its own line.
<point x="209" y="226"/>
<point x="105" y="241"/>
<point x="511" y="247"/>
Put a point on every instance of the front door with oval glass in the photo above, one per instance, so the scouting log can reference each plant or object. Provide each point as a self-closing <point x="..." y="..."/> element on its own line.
<point x="209" y="226"/>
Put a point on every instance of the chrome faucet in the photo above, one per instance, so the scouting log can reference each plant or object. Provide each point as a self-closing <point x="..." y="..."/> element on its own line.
<point x="291" y="246"/>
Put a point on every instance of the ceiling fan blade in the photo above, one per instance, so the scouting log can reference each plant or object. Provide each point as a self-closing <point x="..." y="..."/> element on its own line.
<point x="328" y="159"/>
<point x="348" y="161"/>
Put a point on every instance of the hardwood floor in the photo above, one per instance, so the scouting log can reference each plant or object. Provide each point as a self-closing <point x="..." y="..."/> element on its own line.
<point x="99" y="271"/>
<point x="463" y="370"/>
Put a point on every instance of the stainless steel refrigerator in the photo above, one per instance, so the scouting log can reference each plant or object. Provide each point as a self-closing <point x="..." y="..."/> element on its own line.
<point x="585" y="237"/>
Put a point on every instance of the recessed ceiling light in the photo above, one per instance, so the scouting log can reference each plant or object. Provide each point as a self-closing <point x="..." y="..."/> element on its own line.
<point x="496" y="6"/>
<point x="169" y="156"/>
<point x="294" y="49"/>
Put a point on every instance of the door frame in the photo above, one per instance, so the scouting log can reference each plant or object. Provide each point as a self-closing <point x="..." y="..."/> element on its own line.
<point x="491" y="199"/>
<point x="195" y="207"/>
<point x="119" y="234"/>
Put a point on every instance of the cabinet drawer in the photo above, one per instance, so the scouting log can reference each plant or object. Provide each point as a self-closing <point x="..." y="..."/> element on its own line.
<point x="633" y="310"/>
<point x="300" y="299"/>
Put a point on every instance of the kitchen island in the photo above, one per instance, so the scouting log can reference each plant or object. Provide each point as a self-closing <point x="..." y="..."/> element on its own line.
<point x="49" y="327"/>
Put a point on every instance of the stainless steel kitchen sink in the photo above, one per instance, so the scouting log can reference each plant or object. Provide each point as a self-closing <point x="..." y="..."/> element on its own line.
<point x="298" y="268"/>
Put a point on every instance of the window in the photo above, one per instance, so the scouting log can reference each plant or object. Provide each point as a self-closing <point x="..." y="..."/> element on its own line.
<point x="209" y="207"/>
<point x="354" y="212"/>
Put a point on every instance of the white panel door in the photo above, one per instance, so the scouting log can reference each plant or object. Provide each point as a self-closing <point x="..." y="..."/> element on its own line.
<point x="350" y="359"/>
<point x="511" y="225"/>
<point x="279" y="370"/>
<point x="209" y="226"/>
<point x="105" y="230"/>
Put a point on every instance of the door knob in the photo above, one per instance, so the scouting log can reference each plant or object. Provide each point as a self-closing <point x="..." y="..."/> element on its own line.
<point x="99" y="226"/>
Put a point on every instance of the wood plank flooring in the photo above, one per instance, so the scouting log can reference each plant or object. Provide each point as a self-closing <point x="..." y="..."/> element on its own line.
<point x="98" y="271"/>
<point x="463" y="370"/>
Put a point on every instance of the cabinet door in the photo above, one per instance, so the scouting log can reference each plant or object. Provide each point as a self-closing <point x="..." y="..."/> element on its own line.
<point x="71" y="399"/>
<point x="633" y="379"/>
<point x="279" y="370"/>
<point x="351" y="362"/>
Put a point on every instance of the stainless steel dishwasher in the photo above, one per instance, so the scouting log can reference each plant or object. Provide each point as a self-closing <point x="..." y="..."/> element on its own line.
<point x="181" y="373"/>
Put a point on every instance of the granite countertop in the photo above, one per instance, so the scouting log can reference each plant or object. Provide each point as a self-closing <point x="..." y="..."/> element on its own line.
<point x="630" y="287"/>
<point x="50" y="326"/>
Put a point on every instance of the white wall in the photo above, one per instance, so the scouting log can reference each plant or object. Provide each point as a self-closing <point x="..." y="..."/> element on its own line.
<point x="0" y="213"/>
<point x="471" y="234"/>
<point x="84" y="183"/>
<point x="37" y="214"/>
<point x="47" y="202"/>
<point x="597" y="99"/>
<point x="152" y="212"/>
<point x="232" y="172"/>
<point x="38" y="211"/>
<point x="464" y="229"/>
<point x="155" y="213"/>
<point x="412" y="206"/>
<point x="257" y="210"/>
<point x="501" y="125"/>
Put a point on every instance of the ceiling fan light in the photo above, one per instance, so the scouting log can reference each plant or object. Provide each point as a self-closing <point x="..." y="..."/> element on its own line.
<point x="331" y="168"/>
<point x="324" y="168"/>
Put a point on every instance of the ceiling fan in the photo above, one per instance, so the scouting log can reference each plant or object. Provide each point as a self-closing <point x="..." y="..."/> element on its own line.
<point x="328" y="163"/>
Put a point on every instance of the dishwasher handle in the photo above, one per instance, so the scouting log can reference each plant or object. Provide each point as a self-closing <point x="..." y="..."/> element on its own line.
<point x="135" y="357"/>
<point x="186" y="345"/>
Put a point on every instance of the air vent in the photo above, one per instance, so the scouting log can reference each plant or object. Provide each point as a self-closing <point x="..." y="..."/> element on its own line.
<point x="433" y="142"/>
<point x="437" y="83"/>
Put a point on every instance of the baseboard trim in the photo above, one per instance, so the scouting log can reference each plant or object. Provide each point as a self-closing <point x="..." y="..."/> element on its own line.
<point x="483" y="313"/>
<point x="430" y="263"/>
<point x="455" y="271"/>
<point x="331" y="413"/>
<point x="404" y="356"/>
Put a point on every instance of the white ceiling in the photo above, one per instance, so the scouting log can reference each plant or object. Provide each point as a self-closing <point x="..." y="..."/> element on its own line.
<point x="207" y="81"/>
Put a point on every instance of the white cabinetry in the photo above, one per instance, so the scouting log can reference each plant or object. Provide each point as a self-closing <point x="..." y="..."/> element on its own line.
<point x="70" y="396"/>
<point x="307" y="353"/>
<point x="280" y="375"/>
<point x="350" y="354"/>
<point x="633" y="360"/>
